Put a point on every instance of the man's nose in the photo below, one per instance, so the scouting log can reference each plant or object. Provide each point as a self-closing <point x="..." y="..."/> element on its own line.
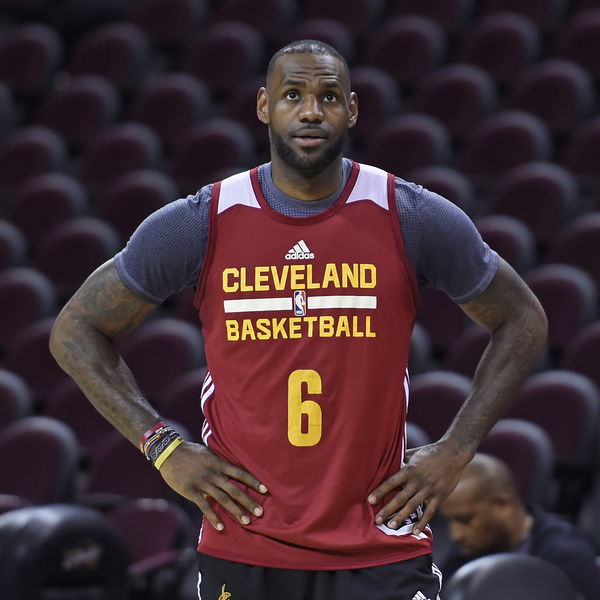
<point x="311" y="109"/>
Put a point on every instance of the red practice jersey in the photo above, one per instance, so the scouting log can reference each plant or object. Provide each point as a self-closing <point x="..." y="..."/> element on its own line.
<point x="307" y="324"/>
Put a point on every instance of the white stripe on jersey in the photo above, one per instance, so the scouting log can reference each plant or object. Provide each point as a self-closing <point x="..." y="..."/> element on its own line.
<point x="342" y="302"/>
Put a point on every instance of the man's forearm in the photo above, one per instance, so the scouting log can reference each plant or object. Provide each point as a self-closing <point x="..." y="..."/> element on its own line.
<point x="513" y="350"/>
<point x="83" y="343"/>
<point x="101" y="373"/>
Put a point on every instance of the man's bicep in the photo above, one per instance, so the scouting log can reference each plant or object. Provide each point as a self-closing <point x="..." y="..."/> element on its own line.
<point x="506" y="297"/>
<point x="107" y="304"/>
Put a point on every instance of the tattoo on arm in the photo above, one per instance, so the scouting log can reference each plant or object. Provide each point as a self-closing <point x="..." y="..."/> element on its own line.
<point x="82" y="342"/>
<point x="518" y="327"/>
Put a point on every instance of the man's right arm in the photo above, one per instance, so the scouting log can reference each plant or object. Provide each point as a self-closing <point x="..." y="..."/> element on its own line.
<point x="83" y="343"/>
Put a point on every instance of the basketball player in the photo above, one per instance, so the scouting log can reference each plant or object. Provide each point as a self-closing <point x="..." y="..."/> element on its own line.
<point x="307" y="273"/>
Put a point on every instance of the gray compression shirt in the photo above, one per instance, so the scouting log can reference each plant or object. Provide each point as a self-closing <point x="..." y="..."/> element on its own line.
<point x="165" y="253"/>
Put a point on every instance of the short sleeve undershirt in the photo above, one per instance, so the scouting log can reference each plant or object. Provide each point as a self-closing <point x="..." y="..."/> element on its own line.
<point x="165" y="253"/>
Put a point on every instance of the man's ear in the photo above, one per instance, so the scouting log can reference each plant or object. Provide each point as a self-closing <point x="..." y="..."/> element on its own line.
<point x="262" y="106"/>
<point x="353" y="107"/>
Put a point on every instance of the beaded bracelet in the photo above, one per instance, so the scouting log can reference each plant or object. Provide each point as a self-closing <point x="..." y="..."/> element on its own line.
<point x="158" y="443"/>
<point x="158" y="463"/>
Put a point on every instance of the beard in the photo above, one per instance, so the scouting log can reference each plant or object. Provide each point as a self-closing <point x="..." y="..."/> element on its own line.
<point x="307" y="162"/>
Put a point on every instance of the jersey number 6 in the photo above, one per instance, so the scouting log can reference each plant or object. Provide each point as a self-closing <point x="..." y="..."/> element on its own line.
<point x="310" y="434"/>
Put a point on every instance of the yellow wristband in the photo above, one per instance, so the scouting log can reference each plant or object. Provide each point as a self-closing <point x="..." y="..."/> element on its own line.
<point x="167" y="452"/>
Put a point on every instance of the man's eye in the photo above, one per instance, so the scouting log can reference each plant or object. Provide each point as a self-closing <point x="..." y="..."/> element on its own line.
<point x="330" y="98"/>
<point x="292" y="96"/>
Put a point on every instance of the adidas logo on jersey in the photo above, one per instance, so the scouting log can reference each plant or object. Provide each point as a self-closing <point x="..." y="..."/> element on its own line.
<point x="300" y="251"/>
<point x="419" y="596"/>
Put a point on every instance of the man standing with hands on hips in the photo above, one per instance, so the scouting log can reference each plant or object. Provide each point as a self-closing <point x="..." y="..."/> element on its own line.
<point x="307" y="272"/>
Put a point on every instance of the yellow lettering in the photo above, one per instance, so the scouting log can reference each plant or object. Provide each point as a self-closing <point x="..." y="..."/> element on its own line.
<point x="356" y="332"/>
<point x="350" y="275"/>
<point x="368" y="276"/>
<point x="244" y="287"/>
<point x="228" y="276"/>
<point x="233" y="330"/>
<point x="247" y="330"/>
<point x="279" y="328"/>
<point x="326" y="327"/>
<point x="343" y="327"/>
<point x="297" y="277"/>
<point x="368" y="332"/>
<point x="261" y="279"/>
<point x="331" y="276"/>
<point x="310" y="321"/>
<point x="310" y="284"/>
<point x="262" y="325"/>
<point x="295" y="327"/>
<point x="280" y="281"/>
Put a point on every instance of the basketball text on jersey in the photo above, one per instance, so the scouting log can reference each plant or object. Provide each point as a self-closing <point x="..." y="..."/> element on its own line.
<point x="300" y="282"/>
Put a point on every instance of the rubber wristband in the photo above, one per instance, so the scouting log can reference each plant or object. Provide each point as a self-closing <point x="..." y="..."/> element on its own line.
<point x="158" y="463"/>
<point x="150" y="432"/>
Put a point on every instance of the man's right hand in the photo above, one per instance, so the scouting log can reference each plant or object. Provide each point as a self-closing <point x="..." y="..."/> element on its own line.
<point x="196" y="473"/>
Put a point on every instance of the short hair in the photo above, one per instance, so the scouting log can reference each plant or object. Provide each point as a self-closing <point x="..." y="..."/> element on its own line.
<point x="306" y="47"/>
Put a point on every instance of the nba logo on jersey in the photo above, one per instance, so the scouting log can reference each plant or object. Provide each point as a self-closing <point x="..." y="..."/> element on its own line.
<point x="300" y="303"/>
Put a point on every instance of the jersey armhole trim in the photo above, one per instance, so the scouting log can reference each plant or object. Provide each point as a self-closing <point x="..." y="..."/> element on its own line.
<point x="210" y="249"/>
<point x="395" y="217"/>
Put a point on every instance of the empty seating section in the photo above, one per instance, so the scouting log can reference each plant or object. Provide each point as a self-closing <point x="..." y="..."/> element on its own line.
<point x="110" y="110"/>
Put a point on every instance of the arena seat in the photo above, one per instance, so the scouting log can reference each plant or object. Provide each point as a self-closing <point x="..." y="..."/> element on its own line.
<point x="180" y="401"/>
<point x="13" y="245"/>
<point x="503" y="45"/>
<point x="160" y="351"/>
<point x="580" y="353"/>
<point x="509" y="237"/>
<point x="529" y="453"/>
<point x="29" y="151"/>
<point x="449" y="183"/>
<point x="226" y="54"/>
<point x="541" y="195"/>
<point x="558" y="286"/>
<point x="30" y="55"/>
<point x="118" y="52"/>
<point x="435" y="398"/>
<point x="15" y="398"/>
<point x="379" y="100"/>
<point x="580" y="150"/>
<point x="330" y="31"/>
<point x="568" y="84"/>
<point x="169" y="23"/>
<point x="207" y="148"/>
<point x="43" y="446"/>
<point x="170" y="104"/>
<point x="273" y="16"/>
<point x="73" y="249"/>
<point x="515" y="575"/>
<point x="579" y="41"/>
<point x="451" y="15"/>
<point x="26" y="296"/>
<point x="120" y="149"/>
<point x="457" y="95"/>
<point x="80" y="110"/>
<point x="28" y="356"/>
<point x="464" y="354"/>
<point x="578" y="243"/>
<point x="542" y="13"/>
<point x="67" y="552"/>
<point x="408" y="142"/>
<point x="128" y="200"/>
<point x="357" y="15"/>
<point x="502" y="141"/>
<point x="53" y="198"/>
<point x="419" y="41"/>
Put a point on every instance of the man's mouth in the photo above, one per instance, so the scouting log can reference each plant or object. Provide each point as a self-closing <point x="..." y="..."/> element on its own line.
<point x="310" y="138"/>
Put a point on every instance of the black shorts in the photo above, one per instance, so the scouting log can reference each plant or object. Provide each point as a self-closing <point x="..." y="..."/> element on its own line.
<point x="414" y="579"/>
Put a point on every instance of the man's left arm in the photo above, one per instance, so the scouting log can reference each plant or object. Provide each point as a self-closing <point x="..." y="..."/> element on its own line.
<point x="518" y="327"/>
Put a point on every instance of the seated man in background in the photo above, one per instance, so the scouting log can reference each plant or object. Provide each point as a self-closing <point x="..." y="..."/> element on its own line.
<point x="485" y="515"/>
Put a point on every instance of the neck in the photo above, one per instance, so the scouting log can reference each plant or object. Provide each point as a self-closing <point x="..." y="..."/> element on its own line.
<point x="307" y="187"/>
